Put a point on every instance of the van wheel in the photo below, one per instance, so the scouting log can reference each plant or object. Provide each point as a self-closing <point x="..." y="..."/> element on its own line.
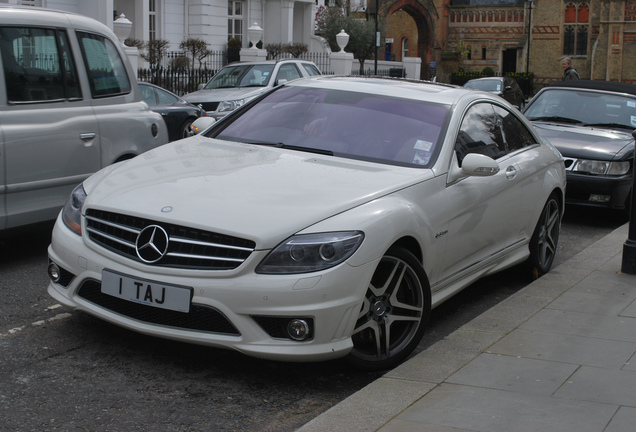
<point x="394" y="313"/>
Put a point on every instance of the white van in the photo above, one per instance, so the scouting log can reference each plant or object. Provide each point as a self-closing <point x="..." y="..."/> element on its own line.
<point x="69" y="105"/>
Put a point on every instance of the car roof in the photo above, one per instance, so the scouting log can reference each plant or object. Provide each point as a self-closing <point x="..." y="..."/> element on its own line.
<point x="272" y="62"/>
<point x="29" y="15"/>
<point x="611" y="86"/>
<point x="394" y="87"/>
<point x="487" y="79"/>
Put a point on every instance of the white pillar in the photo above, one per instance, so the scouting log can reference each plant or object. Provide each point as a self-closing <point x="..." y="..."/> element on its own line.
<point x="286" y="21"/>
<point x="412" y="67"/>
<point x="341" y="63"/>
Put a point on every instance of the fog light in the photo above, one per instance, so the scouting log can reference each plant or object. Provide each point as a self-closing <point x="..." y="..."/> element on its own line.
<point x="54" y="272"/>
<point x="298" y="329"/>
<point x="600" y="198"/>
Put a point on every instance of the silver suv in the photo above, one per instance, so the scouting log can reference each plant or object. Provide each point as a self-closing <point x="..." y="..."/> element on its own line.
<point x="238" y="83"/>
<point x="70" y="105"/>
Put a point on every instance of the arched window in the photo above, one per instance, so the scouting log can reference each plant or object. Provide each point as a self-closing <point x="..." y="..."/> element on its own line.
<point x="576" y="29"/>
<point x="405" y="48"/>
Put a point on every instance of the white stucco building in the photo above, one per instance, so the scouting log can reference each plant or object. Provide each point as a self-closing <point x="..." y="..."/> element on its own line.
<point x="214" y="21"/>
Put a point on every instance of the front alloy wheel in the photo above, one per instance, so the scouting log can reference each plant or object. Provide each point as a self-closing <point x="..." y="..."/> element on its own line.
<point x="394" y="313"/>
<point x="545" y="239"/>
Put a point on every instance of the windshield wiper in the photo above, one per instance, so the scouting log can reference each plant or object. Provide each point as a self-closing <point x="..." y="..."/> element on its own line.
<point x="618" y="125"/>
<point x="556" y="119"/>
<point x="285" y="146"/>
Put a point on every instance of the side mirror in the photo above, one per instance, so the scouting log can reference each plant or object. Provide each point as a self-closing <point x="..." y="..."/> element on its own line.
<point x="201" y="124"/>
<point x="473" y="165"/>
<point x="281" y="81"/>
<point x="479" y="165"/>
<point x="200" y="86"/>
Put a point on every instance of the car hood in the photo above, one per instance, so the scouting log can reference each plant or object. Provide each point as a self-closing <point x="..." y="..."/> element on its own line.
<point x="223" y="94"/>
<point x="260" y="193"/>
<point x="584" y="142"/>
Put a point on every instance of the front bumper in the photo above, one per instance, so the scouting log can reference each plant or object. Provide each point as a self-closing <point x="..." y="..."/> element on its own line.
<point x="221" y="300"/>
<point x="598" y="191"/>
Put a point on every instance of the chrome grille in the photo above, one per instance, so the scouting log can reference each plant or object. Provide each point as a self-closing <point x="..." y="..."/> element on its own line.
<point x="188" y="248"/>
<point x="209" y="106"/>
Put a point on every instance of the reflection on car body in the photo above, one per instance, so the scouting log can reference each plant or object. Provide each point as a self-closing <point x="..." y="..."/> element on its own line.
<point x="323" y="220"/>
<point x="505" y="87"/>
<point x="591" y="124"/>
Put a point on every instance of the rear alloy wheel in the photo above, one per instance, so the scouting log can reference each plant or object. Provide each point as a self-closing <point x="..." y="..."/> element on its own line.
<point x="545" y="239"/>
<point x="394" y="313"/>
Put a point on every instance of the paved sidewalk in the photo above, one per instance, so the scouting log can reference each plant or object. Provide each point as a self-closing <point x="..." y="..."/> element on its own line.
<point x="559" y="355"/>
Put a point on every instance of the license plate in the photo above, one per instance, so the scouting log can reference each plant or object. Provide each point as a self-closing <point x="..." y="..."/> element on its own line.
<point x="146" y="292"/>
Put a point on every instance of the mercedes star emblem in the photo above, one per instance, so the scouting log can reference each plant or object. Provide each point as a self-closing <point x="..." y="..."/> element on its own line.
<point x="152" y="244"/>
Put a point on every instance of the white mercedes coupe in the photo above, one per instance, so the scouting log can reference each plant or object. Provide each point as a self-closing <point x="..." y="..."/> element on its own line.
<point x="324" y="219"/>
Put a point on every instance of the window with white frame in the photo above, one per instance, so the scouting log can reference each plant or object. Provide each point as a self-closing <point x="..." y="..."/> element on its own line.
<point x="235" y="19"/>
<point x="405" y="48"/>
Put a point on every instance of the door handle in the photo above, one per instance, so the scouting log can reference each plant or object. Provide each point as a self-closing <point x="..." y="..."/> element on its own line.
<point x="87" y="136"/>
<point x="511" y="172"/>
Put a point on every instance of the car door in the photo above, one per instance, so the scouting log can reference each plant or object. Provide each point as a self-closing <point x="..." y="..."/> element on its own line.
<point x="524" y="154"/>
<point x="49" y="130"/>
<point x="481" y="210"/>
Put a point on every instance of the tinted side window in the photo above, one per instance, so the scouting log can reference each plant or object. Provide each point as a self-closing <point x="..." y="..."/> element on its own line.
<point x="104" y="66"/>
<point x="148" y="95"/>
<point x="311" y="69"/>
<point x="515" y="133"/>
<point x="38" y="65"/>
<point x="480" y="132"/>
<point x="166" y="98"/>
<point x="288" y="72"/>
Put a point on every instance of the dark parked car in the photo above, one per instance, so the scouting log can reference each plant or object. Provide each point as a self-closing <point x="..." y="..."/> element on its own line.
<point x="176" y="112"/>
<point x="505" y="87"/>
<point x="591" y="124"/>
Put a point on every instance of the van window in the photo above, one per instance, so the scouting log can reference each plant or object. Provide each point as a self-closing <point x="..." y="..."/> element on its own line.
<point x="104" y="66"/>
<point x="38" y="65"/>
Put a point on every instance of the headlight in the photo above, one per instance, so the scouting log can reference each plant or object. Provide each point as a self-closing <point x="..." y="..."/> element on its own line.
<point x="311" y="252"/>
<point x="230" y="105"/>
<point x="72" y="211"/>
<point x="601" y="167"/>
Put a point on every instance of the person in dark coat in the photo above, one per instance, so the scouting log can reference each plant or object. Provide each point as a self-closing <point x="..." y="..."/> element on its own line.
<point x="569" y="73"/>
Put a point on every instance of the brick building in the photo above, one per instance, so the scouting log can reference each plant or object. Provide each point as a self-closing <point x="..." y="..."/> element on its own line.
<point x="599" y="36"/>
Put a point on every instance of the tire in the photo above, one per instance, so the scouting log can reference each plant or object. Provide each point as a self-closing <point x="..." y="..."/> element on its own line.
<point x="394" y="314"/>
<point x="545" y="238"/>
<point x="186" y="130"/>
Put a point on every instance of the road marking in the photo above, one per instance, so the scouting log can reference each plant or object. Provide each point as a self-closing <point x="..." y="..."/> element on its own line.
<point x="57" y="317"/>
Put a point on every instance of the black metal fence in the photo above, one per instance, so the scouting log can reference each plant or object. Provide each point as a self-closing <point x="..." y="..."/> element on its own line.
<point x="178" y="81"/>
<point x="215" y="60"/>
<point x="177" y="76"/>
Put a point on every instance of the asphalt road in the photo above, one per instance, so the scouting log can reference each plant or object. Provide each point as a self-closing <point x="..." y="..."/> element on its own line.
<point x="63" y="370"/>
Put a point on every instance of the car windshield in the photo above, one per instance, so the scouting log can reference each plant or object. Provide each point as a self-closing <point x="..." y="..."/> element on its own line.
<point x="241" y="76"/>
<point x="343" y="123"/>
<point x="585" y="107"/>
<point x="493" y="85"/>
